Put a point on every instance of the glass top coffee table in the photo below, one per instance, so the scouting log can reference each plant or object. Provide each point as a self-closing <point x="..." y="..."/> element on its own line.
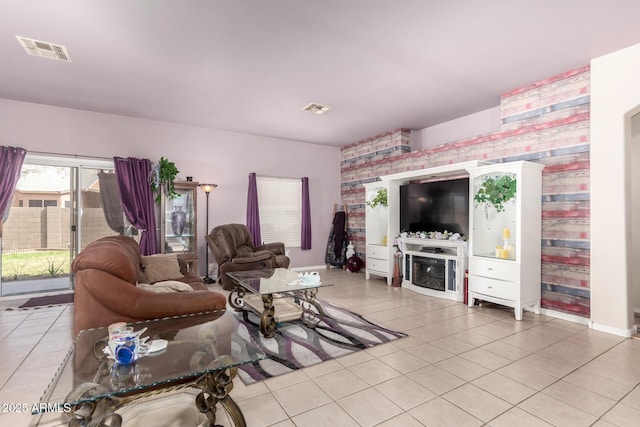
<point x="200" y="351"/>
<point x="279" y="288"/>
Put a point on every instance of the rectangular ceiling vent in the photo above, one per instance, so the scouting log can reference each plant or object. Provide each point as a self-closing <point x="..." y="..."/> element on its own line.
<point x="44" y="49"/>
<point x="317" y="108"/>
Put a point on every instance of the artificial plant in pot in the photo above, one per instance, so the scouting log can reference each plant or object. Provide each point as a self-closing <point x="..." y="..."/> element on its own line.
<point x="380" y="199"/>
<point x="496" y="191"/>
<point x="162" y="176"/>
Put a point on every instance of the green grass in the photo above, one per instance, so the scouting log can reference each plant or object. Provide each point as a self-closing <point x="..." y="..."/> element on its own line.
<point x="35" y="265"/>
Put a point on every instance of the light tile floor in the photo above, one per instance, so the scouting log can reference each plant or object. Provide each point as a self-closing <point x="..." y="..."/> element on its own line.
<point x="459" y="366"/>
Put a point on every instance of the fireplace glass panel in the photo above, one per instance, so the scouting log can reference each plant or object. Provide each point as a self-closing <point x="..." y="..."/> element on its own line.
<point x="429" y="273"/>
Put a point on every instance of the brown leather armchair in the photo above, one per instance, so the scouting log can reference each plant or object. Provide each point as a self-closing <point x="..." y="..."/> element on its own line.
<point x="233" y="250"/>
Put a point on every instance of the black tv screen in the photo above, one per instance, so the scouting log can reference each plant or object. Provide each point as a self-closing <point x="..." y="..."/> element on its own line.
<point x="435" y="206"/>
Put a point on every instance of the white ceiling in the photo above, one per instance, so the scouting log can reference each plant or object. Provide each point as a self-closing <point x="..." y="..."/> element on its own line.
<point x="252" y="65"/>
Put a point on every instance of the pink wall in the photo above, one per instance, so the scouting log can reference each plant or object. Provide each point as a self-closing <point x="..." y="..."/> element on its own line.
<point x="545" y="122"/>
<point x="224" y="158"/>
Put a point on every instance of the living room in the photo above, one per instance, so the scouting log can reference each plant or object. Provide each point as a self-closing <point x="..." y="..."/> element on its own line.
<point x="226" y="157"/>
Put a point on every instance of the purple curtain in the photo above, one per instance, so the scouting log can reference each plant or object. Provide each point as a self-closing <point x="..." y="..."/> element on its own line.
<point x="137" y="199"/>
<point x="11" y="159"/>
<point x="305" y="232"/>
<point x="253" y="214"/>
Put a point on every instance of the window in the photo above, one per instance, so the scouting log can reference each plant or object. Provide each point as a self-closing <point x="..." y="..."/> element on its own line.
<point x="33" y="203"/>
<point x="280" y="204"/>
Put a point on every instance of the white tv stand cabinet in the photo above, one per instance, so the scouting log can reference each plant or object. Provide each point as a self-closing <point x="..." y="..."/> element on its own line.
<point x="434" y="267"/>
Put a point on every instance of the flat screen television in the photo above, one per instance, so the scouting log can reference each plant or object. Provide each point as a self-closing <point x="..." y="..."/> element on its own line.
<point x="435" y="206"/>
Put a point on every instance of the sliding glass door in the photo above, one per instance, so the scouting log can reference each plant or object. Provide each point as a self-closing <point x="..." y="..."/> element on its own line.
<point x="58" y="207"/>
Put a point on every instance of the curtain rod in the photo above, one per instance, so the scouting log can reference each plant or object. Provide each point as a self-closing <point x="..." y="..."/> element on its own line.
<point x="73" y="156"/>
<point x="279" y="177"/>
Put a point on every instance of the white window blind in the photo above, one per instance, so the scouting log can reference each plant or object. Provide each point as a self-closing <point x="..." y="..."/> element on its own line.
<point x="280" y="205"/>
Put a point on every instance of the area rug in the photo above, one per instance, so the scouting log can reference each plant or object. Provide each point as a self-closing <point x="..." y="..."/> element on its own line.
<point x="48" y="300"/>
<point x="296" y="346"/>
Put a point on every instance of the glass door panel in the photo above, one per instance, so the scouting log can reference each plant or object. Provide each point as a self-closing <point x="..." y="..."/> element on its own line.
<point x="56" y="211"/>
<point x="100" y="212"/>
<point x="37" y="235"/>
<point x="179" y="228"/>
<point x="494" y="215"/>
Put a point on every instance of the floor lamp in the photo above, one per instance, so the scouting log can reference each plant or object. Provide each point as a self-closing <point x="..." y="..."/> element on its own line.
<point x="207" y="188"/>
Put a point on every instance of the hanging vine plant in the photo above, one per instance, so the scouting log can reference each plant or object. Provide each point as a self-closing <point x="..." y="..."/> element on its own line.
<point x="380" y="199"/>
<point x="162" y="176"/>
<point x="496" y="191"/>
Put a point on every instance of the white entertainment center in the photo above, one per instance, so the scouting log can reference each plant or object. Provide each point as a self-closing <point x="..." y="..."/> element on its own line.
<point x="503" y="271"/>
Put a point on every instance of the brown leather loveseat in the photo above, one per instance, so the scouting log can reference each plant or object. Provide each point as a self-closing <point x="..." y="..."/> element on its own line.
<point x="107" y="272"/>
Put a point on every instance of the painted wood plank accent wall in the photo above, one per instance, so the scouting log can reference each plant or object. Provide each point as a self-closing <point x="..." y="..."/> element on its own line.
<point x="545" y="122"/>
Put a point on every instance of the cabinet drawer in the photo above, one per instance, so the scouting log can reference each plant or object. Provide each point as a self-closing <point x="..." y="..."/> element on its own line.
<point x="380" y="265"/>
<point x="496" y="269"/>
<point x="495" y="288"/>
<point x="377" y="251"/>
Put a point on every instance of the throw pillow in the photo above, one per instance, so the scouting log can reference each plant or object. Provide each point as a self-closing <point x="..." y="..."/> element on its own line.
<point x="166" y="286"/>
<point x="161" y="267"/>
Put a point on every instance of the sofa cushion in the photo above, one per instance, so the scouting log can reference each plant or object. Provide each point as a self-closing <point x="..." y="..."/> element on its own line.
<point x="166" y="286"/>
<point x="161" y="267"/>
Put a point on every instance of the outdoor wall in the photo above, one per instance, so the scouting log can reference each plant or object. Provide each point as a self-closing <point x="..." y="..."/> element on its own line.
<point x="208" y="155"/>
<point x="49" y="228"/>
<point x="545" y="122"/>
<point x="23" y="229"/>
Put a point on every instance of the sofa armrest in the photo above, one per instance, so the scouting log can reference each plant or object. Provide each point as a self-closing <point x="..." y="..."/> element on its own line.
<point x="229" y="267"/>
<point x="276" y="248"/>
<point x="254" y="257"/>
<point x="102" y="299"/>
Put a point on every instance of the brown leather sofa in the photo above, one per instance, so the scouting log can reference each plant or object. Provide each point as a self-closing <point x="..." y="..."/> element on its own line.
<point x="107" y="272"/>
<point x="233" y="250"/>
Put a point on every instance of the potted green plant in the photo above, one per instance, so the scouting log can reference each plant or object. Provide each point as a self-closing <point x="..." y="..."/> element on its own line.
<point x="162" y="176"/>
<point x="380" y="199"/>
<point x="496" y="191"/>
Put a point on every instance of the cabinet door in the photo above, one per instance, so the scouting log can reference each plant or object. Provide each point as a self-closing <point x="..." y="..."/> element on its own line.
<point x="376" y="216"/>
<point x="495" y="227"/>
<point x="179" y="221"/>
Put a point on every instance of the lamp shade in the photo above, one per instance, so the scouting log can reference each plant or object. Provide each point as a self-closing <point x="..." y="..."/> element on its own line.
<point x="208" y="188"/>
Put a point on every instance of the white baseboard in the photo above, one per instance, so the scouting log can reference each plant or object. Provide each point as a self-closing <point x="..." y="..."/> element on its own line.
<point x="312" y="267"/>
<point x="626" y="333"/>
<point x="565" y="316"/>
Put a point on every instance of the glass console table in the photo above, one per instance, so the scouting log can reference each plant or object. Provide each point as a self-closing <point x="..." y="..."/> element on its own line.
<point x="202" y="351"/>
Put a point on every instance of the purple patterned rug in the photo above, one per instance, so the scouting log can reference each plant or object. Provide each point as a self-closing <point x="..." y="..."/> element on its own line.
<point x="296" y="346"/>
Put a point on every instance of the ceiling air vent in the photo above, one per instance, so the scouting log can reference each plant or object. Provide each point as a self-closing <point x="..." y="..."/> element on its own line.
<point x="317" y="108"/>
<point x="44" y="49"/>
